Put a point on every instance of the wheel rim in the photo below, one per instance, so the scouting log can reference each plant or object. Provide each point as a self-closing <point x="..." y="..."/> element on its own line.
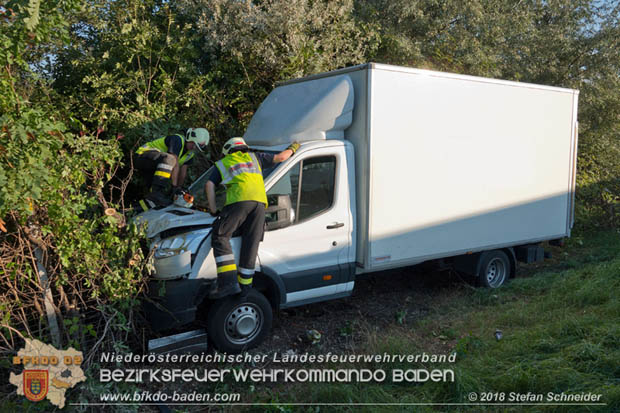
<point x="496" y="272"/>
<point x="243" y="323"/>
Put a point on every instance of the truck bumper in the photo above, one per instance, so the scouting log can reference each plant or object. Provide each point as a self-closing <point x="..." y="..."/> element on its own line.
<point x="173" y="303"/>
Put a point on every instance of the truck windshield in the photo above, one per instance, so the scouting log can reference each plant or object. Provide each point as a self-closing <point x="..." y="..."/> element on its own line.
<point x="197" y="188"/>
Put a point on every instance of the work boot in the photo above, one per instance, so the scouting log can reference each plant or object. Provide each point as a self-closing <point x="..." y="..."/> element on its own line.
<point x="159" y="198"/>
<point x="227" y="284"/>
<point x="245" y="290"/>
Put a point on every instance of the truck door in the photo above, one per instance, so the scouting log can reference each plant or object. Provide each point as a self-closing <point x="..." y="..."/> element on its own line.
<point x="306" y="250"/>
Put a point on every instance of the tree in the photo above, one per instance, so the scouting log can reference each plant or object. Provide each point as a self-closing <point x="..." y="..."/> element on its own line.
<point x="565" y="43"/>
<point x="249" y="46"/>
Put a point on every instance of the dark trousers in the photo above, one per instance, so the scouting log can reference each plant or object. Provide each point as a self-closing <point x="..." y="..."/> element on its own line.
<point x="156" y="168"/>
<point x="245" y="219"/>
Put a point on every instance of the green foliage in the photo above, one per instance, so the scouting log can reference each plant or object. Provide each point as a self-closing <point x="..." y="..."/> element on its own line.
<point x="50" y="179"/>
<point x="253" y="45"/>
<point x="146" y="68"/>
<point x="129" y="66"/>
<point x="52" y="183"/>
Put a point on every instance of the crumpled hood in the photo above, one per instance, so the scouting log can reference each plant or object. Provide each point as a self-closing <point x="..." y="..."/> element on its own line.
<point x="172" y="216"/>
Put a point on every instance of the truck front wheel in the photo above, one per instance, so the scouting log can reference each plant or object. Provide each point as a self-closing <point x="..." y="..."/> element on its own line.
<point x="494" y="269"/>
<point x="235" y="324"/>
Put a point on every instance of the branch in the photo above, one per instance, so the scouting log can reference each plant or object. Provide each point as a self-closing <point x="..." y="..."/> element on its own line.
<point x="8" y="72"/>
<point x="13" y="330"/>
<point x="91" y="354"/>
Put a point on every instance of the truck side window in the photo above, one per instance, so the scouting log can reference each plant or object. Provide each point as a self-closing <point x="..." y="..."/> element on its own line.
<point x="317" y="186"/>
<point x="310" y="187"/>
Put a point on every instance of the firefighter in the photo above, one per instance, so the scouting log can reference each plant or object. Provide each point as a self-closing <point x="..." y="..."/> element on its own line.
<point x="240" y="171"/>
<point x="164" y="161"/>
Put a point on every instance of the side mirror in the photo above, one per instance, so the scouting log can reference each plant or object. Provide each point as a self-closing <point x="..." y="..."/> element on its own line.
<point x="279" y="212"/>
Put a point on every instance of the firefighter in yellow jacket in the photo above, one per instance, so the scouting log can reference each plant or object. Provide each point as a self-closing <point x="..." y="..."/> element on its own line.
<point x="164" y="161"/>
<point x="240" y="171"/>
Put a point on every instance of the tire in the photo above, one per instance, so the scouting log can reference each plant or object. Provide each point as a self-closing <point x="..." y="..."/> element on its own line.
<point x="235" y="325"/>
<point x="494" y="269"/>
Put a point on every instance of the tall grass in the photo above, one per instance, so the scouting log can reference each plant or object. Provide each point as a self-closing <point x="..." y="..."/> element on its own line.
<point x="561" y="333"/>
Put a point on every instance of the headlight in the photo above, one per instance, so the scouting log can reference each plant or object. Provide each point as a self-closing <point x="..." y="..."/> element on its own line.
<point x="171" y="247"/>
<point x="165" y="253"/>
<point x="180" y="243"/>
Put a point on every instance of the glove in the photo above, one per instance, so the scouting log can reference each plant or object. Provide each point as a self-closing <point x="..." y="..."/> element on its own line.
<point x="177" y="190"/>
<point x="294" y="146"/>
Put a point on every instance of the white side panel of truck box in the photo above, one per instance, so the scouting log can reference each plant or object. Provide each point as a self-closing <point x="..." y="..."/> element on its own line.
<point x="461" y="164"/>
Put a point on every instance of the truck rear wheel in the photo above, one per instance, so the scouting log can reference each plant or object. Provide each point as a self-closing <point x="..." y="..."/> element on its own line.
<point x="494" y="269"/>
<point x="235" y="324"/>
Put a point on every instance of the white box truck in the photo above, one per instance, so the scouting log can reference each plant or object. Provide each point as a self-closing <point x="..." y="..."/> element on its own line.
<point x="397" y="166"/>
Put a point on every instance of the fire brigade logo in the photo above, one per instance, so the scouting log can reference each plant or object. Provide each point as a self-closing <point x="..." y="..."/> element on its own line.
<point x="35" y="384"/>
<point x="48" y="373"/>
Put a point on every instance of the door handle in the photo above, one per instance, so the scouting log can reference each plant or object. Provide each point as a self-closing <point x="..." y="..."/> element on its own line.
<point x="336" y="225"/>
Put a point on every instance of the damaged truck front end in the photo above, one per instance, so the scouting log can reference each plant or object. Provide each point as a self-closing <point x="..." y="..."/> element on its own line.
<point x="177" y="236"/>
<point x="183" y="273"/>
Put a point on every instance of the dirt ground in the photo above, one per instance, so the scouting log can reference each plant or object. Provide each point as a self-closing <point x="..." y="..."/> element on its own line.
<point x="399" y="296"/>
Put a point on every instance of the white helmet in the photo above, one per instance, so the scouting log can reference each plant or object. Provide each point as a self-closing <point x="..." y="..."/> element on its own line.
<point x="200" y="136"/>
<point x="232" y="144"/>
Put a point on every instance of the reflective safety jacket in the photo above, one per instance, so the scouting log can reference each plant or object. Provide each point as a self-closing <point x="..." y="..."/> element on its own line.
<point x="160" y="145"/>
<point x="241" y="174"/>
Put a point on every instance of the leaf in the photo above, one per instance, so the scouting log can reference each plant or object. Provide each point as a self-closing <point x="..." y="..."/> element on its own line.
<point x="33" y="14"/>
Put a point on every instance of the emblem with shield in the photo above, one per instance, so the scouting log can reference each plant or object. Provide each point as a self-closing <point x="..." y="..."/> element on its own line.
<point x="36" y="384"/>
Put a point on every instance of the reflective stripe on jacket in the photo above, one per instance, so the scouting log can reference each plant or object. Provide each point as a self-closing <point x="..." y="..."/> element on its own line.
<point x="242" y="175"/>
<point x="160" y="145"/>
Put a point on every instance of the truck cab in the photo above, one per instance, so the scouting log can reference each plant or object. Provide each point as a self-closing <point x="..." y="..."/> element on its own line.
<point x="307" y="254"/>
